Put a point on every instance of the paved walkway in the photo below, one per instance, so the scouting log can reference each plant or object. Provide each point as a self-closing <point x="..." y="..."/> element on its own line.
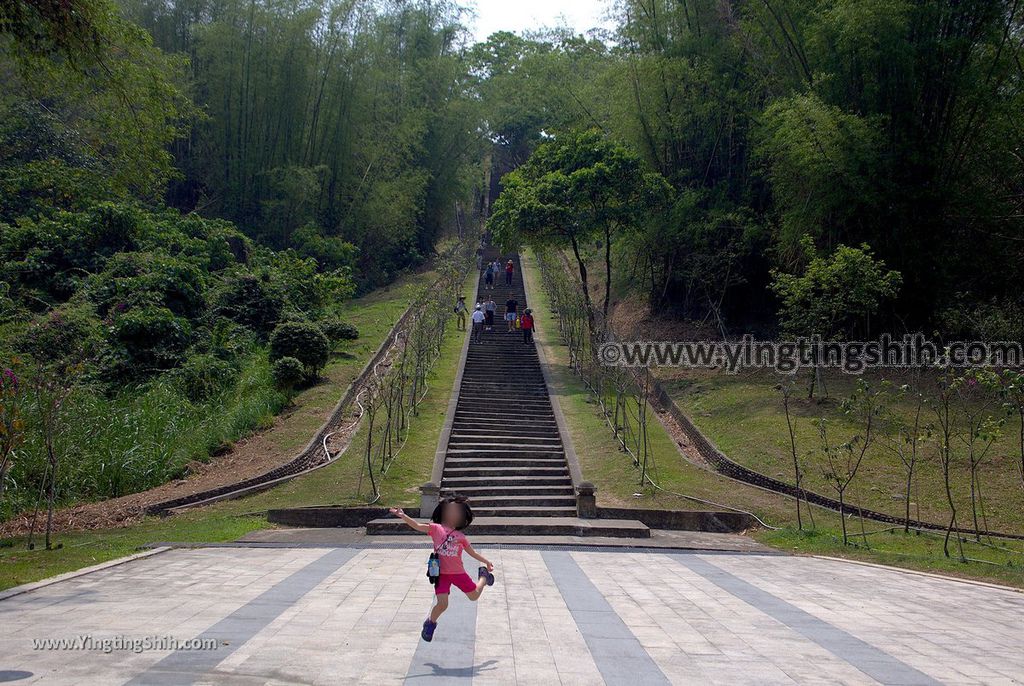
<point x="352" y="616"/>
<point x="660" y="538"/>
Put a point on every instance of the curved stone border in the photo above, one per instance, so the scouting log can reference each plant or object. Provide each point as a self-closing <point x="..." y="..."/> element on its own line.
<point x="309" y="459"/>
<point x="721" y="464"/>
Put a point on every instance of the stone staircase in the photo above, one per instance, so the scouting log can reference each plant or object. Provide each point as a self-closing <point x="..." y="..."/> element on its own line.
<point x="505" y="452"/>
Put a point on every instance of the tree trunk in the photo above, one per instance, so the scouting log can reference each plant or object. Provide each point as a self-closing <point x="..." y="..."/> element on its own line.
<point x="974" y="499"/>
<point x="5" y="467"/>
<point x="796" y="464"/>
<point x="51" y="493"/>
<point x="842" y="514"/>
<point x="910" y="482"/>
<point x="949" y="498"/>
<point x="607" y="271"/>
<point x="1021" y="438"/>
<point x="586" y="290"/>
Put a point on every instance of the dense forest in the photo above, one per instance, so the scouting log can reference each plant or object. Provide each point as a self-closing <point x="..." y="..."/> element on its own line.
<point x="188" y="191"/>
<point x="895" y="124"/>
<point x="182" y="179"/>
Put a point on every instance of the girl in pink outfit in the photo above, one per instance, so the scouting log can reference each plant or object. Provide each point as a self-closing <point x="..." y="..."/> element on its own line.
<point x="450" y="517"/>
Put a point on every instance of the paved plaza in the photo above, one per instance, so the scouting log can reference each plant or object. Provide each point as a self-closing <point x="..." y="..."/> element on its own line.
<point x="352" y="615"/>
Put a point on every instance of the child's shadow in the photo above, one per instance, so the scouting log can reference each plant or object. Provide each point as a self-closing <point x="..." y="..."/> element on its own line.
<point x="463" y="672"/>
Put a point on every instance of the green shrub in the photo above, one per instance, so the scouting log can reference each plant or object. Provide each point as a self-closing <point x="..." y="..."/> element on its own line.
<point x="338" y="330"/>
<point x="202" y="377"/>
<point x="287" y="373"/>
<point x="249" y="300"/>
<point x="303" y="341"/>
<point x="149" y="278"/>
<point x="67" y="335"/>
<point x="150" y="338"/>
<point x="230" y="341"/>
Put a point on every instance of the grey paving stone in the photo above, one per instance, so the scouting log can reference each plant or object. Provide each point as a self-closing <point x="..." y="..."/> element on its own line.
<point x="757" y="620"/>
<point x="616" y="651"/>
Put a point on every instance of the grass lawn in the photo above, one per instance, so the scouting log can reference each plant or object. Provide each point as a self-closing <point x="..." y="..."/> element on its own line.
<point x="743" y="415"/>
<point x="612" y="470"/>
<point x="373" y="315"/>
<point x="346" y="482"/>
<point x="337" y="483"/>
<point x="618" y="480"/>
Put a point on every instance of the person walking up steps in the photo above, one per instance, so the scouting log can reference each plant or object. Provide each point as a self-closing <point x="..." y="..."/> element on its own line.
<point x="527" y="325"/>
<point x="460" y="312"/>
<point x="478" y="323"/>
<point x="511" y="308"/>
<point x="490" y="307"/>
<point x="509" y="271"/>
<point x="450" y="517"/>
<point x="489" y="276"/>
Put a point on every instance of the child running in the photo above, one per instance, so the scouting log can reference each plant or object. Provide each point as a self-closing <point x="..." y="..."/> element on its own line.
<point x="450" y="517"/>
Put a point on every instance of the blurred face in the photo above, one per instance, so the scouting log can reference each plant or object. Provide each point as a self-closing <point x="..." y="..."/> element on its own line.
<point x="452" y="515"/>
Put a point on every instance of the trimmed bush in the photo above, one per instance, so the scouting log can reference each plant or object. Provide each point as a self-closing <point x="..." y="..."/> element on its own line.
<point x="287" y="373"/>
<point x="303" y="341"/>
<point x="338" y="330"/>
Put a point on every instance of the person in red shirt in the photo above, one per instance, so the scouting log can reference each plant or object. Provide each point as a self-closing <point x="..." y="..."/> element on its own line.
<point x="509" y="270"/>
<point x="449" y="518"/>
<point x="526" y="324"/>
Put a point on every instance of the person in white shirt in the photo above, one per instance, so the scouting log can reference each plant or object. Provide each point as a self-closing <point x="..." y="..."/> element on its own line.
<point x="478" y="323"/>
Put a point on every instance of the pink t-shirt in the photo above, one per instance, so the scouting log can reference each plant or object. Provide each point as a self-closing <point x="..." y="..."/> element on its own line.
<point x="450" y="551"/>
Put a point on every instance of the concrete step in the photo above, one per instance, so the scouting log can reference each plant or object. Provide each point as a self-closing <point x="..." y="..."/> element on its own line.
<point x="526" y="511"/>
<point x="456" y="472"/>
<point x="528" y="526"/>
<point x="473" y="400"/>
<point x="505" y="434"/>
<point x="495" y="422"/>
<point x="501" y="451"/>
<point x="479" y="426"/>
<point x="509" y="438"/>
<point x="505" y="492"/>
<point x="505" y="449"/>
<point x="496" y="450"/>
<point x="468" y="463"/>
<point x="484" y="502"/>
<point x="519" y="396"/>
<point x="491" y="377"/>
<point x="503" y="403"/>
<point x="503" y="414"/>
<point x="456" y="482"/>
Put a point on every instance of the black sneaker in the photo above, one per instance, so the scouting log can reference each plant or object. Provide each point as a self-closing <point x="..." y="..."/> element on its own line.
<point x="428" y="630"/>
<point x="484" y="574"/>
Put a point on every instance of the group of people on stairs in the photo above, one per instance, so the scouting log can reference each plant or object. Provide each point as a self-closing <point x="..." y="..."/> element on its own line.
<point x="484" y="311"/>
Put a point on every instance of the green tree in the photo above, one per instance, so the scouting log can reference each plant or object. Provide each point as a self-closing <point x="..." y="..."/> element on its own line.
<point x="834" y="295"/>
<point x="574" y="189"/>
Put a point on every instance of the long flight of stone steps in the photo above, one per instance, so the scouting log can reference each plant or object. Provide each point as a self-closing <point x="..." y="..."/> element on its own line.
<point x="505" y="452"/>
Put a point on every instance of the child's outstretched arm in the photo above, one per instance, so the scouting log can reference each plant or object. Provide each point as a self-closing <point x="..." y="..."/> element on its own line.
<point x="413" y="524"/>
<point x="477" y="556"/>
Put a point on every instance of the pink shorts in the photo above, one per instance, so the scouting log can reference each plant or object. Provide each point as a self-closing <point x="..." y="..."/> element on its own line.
<point x="461" y="581"/>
